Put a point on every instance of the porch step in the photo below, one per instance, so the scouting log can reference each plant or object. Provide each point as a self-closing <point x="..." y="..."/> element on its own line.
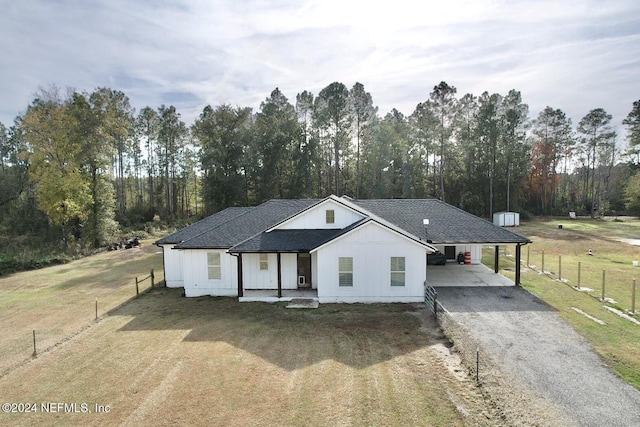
<point x="303" y="303"/>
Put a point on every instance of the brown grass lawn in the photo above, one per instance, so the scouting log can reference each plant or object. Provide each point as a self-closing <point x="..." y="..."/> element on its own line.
<point x="619" y="341"/>
<point x="60" y="301"/>
<point x="166" y="360"/>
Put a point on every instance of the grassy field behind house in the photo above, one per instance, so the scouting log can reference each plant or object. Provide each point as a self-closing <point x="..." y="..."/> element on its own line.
<point x="619" y="341"/>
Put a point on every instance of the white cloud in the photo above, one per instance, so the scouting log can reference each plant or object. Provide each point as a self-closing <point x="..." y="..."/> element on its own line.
<point x="575" y="55"/>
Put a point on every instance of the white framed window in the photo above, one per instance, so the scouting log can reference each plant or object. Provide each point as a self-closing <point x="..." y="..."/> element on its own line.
<point x="397" y="271"/>
<point x="330" y="216"/>
<point x="213" y="265"/>
<point x="345" y="271"/>
<point x="264" y="261"/>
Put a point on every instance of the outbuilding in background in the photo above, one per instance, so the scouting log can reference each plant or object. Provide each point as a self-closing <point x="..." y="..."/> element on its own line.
<point x="506" y="219"/>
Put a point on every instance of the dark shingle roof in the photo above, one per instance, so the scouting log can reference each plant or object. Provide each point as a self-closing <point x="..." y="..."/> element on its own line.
<point x="447" y="224"/>
<point x="203" y="225"/>
<point x="287" y="240"/>
<point x="247" y="225"/>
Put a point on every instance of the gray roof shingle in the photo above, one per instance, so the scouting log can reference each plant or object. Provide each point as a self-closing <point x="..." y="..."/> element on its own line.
<point x="447" y="223"/>
<point x="205" y="224"/>
<point x="243" y="228"/>
<point x="248" y="224"/>
<point x="287" y="240"/>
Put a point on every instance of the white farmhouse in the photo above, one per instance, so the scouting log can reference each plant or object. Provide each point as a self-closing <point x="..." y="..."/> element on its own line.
<point x="334" y="249"/>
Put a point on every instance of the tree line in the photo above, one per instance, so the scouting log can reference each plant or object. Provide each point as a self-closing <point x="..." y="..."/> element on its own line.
<point x="80" y="165"/>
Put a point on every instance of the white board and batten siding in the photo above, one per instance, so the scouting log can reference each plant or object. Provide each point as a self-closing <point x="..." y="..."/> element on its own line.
<point x="173" y="266"/>
<point x="255" y="278"/>
<point x="196" y="274"/>
<point x="371" y="247"/>
<point x="316" y="217"/>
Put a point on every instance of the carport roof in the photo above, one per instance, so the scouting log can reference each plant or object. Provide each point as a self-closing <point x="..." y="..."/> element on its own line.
<point x="447" y="223"/>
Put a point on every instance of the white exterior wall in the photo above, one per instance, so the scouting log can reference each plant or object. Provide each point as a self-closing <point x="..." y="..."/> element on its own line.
<point x="315" y="218"/>
<point x="254" y="278"/>
<point x="173" y="266"/>
<point x="475" y="249"/>
<point x="196" y="274"/>
<point x="371" y="247"/>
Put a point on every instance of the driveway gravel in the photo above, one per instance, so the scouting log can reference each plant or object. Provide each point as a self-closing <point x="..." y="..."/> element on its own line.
<point x="531" y="342"/>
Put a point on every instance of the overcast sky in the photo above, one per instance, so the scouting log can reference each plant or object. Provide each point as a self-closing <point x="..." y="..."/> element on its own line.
<point x="576" y="55"/>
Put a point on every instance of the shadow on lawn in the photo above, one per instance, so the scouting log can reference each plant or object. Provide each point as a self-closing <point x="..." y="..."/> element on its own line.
<point x="356" y="335"/>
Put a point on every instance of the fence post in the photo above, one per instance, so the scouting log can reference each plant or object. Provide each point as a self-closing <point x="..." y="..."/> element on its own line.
<point x="543" y="261"/>
<point x="435" y="304"/>
<point x="34" y="342"/>
<point x="137" y="289"/>
<point x="633" y="297"/>
<point x="603" y="271"/>
<point x="478" y="364"/>
<point x="560" y="267"/>
<point x="96" y="308"/>
<point x="579" y="268"/>
<point x="528" y="255"/>
<point x="152" y="278"/>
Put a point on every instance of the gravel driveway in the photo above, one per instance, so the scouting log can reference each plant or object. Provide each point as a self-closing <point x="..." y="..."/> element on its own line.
<point x="531" y="342"/>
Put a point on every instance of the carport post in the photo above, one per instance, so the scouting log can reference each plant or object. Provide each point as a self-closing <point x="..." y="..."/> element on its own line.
<point x="518" y="256"/>
<point x="495" y="260"/>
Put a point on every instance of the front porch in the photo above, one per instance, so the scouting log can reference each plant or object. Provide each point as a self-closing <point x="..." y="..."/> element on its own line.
<point x="271" y="295"/>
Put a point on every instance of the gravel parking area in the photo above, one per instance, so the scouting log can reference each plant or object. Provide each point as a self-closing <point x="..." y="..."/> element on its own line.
<point x="533" y="344"/>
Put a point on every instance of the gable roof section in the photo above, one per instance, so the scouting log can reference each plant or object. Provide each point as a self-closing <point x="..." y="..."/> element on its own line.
<point x="246" y="225"/>
<point x="203" y="225"/>
<point x="339" y="200"/>
<point x="291" y="240"/>
<point x="447" y="223"/>
<point x="382" y="224"/>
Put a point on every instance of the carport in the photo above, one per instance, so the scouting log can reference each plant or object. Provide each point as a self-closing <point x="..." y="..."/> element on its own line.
<point x="464" y="275"/>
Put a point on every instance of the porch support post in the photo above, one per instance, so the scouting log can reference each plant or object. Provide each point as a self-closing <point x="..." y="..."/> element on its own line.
<point x="518" y="247"/>
<point x="240" y="285"/>
<point x="279" y="277"/>
<point x="495" y="259"/>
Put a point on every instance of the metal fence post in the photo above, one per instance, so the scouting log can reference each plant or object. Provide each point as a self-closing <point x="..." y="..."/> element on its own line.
<point x="152" y="278"/>
<point x="579" y="268"/>
<point x="603" y="271"/>
<point x="137" y="289"/>
<point x="633" y="297"/>
<point x="543" y="261"/>
<point x="435" y="304"/>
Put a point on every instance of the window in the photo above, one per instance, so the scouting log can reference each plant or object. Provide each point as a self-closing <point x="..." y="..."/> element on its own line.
<point x="213" y="264"/>
<point x="264" y="261"/>
<point x="345" y="271"/>
<point x="397" y="271"/>
<point x="330" y="216"/>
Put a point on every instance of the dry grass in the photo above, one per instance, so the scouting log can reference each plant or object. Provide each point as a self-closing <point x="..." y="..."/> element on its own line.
<point x="161" y="359"/>
<point x="59" y="301"/>
<point x="166" y="360"/>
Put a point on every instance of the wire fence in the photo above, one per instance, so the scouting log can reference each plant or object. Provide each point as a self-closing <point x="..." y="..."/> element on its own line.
<point x="616" y="284"/>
